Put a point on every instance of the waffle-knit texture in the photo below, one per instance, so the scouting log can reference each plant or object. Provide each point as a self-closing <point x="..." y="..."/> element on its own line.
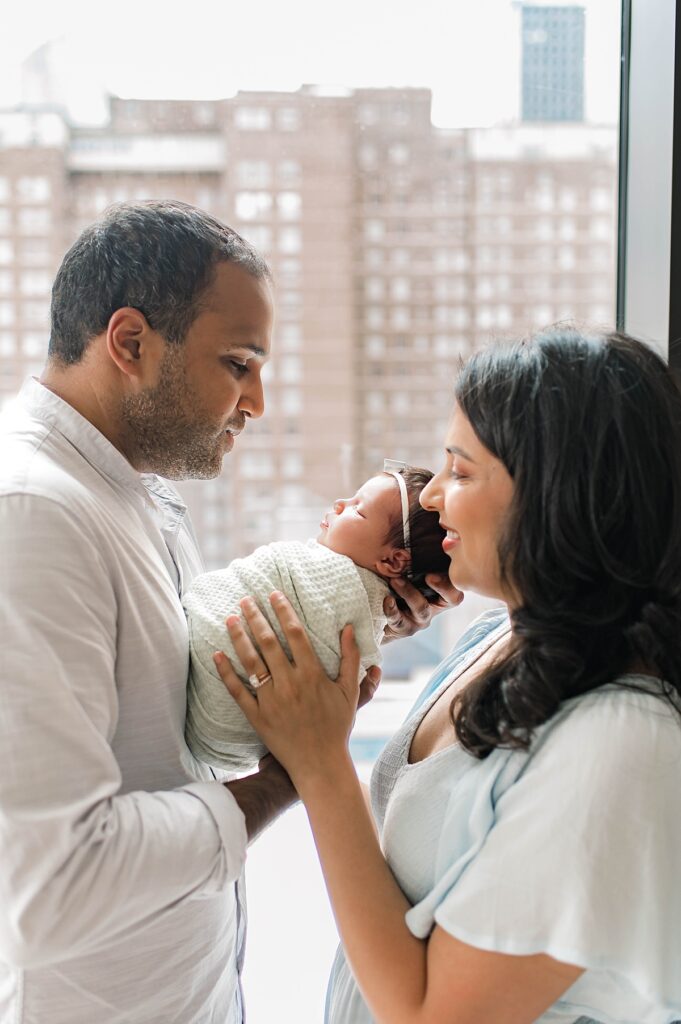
<point x="327" y="591"/>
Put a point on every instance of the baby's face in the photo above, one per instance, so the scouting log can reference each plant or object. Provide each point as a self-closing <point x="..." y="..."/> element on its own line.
<point x="359" y="526"/>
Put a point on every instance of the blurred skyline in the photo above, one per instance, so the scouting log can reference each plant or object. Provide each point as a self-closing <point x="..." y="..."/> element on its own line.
<point x="467" y="53"/>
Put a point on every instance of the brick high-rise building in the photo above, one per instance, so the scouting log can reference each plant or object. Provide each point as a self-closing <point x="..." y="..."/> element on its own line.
<point x="396" y="248"/>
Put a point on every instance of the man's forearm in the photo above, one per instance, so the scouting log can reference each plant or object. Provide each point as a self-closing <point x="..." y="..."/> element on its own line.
<point x="263" y="796"/>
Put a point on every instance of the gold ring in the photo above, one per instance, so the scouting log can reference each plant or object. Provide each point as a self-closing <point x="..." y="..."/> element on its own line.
<point x="256" y="681"/>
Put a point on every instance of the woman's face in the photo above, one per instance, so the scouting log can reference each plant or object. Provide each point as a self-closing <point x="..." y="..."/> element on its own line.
<point x="472" y="494"/>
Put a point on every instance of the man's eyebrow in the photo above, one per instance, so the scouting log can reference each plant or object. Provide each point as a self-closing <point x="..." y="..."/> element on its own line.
<point x="455" y="450"/>
<point x="255" y="349"/>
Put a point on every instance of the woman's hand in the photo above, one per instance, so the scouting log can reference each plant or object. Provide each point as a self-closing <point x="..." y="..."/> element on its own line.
<point x="421" y="611"/>
<point x="302" y="716"/>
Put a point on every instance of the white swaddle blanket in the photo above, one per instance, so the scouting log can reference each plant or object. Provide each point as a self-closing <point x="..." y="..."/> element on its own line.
<point x="327" y="590"/>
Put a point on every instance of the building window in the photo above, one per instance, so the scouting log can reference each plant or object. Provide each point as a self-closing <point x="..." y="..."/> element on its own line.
<point x="6" y="314"/>
<point x="8" y="344"/>
<point x="34" y="282"/>
<point x="374" y="230"/>
<point x="36" y="312"/>
<point x="33" y="189"/>
<point x="290" y="240"/>
<point x="34" y="220"/>
<point x="6" y="282"/>
<point x="252" y="205"/>
<point x="292" y="465"/>
<point x="259" y="235"/>
<point x="33" y="345"/>
<point x="252" y="119"/>
<point x="288" y="205"/>
<point x="291" y="402"/>
<point x="290" y="370"/>
<point x="289" y="172"/>
<point x="290" y="337"/>
<point x="253" y="174"/>
<point x="288" y="119"/>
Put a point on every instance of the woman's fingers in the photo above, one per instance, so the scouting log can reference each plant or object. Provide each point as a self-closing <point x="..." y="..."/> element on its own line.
<point x="236" y="688"/>
<point x="264" y="649"/>
<point x="348" y="673"/>
<point x="294" y="631"/>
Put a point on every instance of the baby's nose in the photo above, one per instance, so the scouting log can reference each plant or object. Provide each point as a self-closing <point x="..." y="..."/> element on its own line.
<point x="339" y="504"/>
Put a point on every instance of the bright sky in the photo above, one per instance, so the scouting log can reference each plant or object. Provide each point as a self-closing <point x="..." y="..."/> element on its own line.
<point x="466" y="51"/>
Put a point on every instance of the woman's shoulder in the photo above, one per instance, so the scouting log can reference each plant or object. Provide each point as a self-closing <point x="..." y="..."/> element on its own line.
<point x="627" y="720"/>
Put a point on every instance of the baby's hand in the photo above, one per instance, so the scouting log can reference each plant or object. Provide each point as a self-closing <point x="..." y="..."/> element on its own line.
<point x="420" y="610"/>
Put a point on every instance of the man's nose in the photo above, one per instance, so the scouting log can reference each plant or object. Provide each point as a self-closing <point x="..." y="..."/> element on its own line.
<point x="252" y="401"/>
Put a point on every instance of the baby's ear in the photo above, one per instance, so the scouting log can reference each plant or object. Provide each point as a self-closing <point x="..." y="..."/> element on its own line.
<point x="394" y="564"/>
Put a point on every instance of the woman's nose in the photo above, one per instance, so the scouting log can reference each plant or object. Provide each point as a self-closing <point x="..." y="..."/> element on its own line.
<point x="430" y="495"/>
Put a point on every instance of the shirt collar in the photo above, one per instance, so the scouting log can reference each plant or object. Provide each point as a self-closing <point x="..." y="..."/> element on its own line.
<point x="44" y="405"/>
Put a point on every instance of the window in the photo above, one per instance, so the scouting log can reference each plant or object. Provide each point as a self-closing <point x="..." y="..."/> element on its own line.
<point x="35" y="282"/>
<point x="252" y="205"/>
<point x="289" y="240"/>
<point x="288" y="205"/>
<point x="33" y="189"/>
<point x="253" y="174"/>
<point x="289" y="172"/>
<point x="8" y="344"/>
<point x="290" y="370"/>
<point x="252" y="119"/>
<point x="288" y="119"/>
<point x="6" y="314"/>
<point x="290" y="337"/>
<point x="34" y="220"/>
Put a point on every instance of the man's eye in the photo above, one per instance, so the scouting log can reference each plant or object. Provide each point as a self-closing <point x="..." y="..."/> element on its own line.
<point x="239" y="369"/>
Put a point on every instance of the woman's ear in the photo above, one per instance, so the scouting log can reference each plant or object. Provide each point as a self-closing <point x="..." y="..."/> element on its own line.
<point x="396" y="563"/>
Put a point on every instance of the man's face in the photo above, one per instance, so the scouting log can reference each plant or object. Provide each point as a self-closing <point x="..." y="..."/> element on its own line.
<point x="207" y="386"/>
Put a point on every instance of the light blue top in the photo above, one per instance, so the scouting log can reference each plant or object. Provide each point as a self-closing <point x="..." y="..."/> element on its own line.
<point x="572" y="848"/>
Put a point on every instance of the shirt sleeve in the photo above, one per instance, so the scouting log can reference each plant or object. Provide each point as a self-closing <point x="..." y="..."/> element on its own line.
<point x="581" y="861"/>
<point x="69" y="840"/>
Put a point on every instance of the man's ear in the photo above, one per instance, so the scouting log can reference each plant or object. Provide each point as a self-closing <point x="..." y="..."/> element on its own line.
<point x="395" y="563"/>
<point x="133" y="346"/>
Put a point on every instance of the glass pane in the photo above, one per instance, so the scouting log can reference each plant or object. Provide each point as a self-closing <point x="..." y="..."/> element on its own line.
<point x="457" y="182"/>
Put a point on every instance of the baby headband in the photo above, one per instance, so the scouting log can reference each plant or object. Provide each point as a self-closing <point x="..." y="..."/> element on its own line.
<point x="395" y="468"/>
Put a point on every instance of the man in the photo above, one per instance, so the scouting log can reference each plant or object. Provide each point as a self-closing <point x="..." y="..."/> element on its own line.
<point x="121" y="855"/>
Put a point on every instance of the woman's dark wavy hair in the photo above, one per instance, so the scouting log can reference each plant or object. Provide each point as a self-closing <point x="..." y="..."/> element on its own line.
<point x="589" y="429"/>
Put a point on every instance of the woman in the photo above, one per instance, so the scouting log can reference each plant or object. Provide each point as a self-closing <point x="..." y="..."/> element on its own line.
<point x="528" y="810"/>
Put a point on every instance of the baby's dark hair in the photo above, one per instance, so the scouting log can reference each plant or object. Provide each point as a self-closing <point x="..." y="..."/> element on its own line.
<point x="426" y="534"/>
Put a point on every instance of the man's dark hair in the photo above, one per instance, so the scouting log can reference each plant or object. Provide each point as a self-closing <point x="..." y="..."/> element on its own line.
<point x="158" y="257"/>
<point x="426" y="534"/>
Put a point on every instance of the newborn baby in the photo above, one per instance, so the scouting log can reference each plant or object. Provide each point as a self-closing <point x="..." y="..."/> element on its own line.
<point x="342" y="577"/>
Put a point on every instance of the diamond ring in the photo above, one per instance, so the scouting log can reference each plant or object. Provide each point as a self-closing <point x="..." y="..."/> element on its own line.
<point x="256" y="681"/>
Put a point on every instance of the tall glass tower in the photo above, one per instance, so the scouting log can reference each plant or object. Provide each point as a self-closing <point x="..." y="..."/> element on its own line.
<point x="553" y="63"/>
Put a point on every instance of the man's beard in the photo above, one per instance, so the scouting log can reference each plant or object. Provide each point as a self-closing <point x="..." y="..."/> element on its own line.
<point x="160" y="436"/>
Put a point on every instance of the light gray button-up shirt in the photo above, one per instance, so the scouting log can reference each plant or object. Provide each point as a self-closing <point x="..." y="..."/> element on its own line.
<point x="117" y="864"/>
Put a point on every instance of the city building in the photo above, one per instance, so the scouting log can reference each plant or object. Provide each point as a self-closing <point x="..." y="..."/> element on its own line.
<point x="397" y="248"/>
<point x="552" y="63"/>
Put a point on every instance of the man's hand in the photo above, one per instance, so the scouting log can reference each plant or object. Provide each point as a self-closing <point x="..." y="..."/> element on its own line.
<point x="264" y="795"/>
<point x="369" y="685"/>
<point x="420" y="610"/>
